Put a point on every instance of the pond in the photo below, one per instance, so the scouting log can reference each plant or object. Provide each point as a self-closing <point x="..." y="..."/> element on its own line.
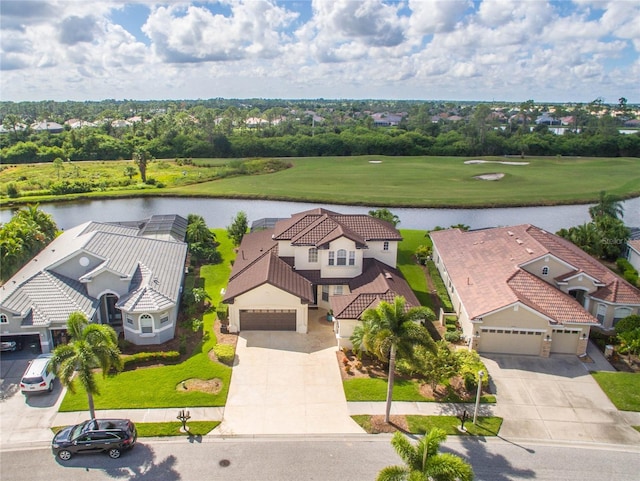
<point x="219" y="213"/>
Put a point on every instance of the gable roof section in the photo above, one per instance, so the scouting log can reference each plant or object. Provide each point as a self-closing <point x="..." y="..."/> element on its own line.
<point x="615" y="289"/>
<point x="377" y="283"/>
<point x="268" y="269"/>
<point x="318" y="227"/>
<point x="547" y="300"/>
<point x="48" y="298"/>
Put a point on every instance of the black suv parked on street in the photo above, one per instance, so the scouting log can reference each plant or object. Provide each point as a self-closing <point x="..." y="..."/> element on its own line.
<point x="96" y="435"/>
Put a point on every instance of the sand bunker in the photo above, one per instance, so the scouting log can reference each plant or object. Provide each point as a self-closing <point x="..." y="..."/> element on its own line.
<point x="494" y="162"/>
<point x="493" y="176"/>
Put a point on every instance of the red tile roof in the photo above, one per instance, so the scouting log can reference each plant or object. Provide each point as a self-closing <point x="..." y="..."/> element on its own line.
<point x="483" y="265"/>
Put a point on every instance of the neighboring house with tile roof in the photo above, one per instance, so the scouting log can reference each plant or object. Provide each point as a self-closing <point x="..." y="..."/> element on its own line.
<point x="523" y="290"/>
<point x="633" y="253"/>
<point x="128" y="275"/>
<point x="315" y="259"/>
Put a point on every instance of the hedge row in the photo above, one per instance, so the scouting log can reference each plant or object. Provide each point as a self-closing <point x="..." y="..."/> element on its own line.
<point x="141" y="357"/>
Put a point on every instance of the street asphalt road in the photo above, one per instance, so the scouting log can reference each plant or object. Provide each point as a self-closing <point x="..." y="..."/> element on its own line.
<point x="320" y="458"/>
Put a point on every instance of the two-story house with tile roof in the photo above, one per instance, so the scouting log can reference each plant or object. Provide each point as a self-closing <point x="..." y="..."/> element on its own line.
<point x="128" y="275"/>
<point x="316" y="259"/>
<point x="523" y="290"/>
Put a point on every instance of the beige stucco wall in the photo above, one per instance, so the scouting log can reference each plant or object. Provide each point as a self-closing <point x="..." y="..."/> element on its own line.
<point x="267" y="296"/>
<point x="376" y="251"/>
<point x="340" y="271"/>
<point x="344" y="330"/>
<point x="516" y="316"/>
<point x="556" y="268"/>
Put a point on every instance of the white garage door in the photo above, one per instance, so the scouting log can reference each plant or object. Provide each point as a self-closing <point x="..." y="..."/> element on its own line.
<point x="565" y="341"/>
<point x="510" y="341"/>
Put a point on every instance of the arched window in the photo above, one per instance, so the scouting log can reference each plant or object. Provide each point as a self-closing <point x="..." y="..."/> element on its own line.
<point x="342" y="257"/>
<point x="3" y="319"/>
<point x="146" y="324"/>
<point x="385" y="246"/>
<point x="545" y="271"/>
<point x="313" y="254"/>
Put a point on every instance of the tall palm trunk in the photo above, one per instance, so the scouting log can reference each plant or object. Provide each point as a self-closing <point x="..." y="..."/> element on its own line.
<point x="392" y="368"/>
<point x="92" y="408"/>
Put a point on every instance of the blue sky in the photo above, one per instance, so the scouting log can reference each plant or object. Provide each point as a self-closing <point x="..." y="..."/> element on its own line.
<point x="513" y="50"/>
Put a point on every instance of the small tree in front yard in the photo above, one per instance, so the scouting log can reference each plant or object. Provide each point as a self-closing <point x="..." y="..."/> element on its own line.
<point x="437" y="365"/>
<point x="238" y="228"/>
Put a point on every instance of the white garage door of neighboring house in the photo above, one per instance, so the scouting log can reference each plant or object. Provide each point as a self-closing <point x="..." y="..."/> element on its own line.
<point x="510" y="341"/>
<point x="565" y="341"/>
<point x="267" y="320"/>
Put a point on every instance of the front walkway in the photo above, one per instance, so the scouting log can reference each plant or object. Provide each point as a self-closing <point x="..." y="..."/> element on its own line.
<point x="287" y="383"/>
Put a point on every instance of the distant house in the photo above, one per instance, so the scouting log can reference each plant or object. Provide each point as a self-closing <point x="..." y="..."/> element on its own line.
<point x="127" y="275"/>
<point x="386" y="119"/>
<point x="547" y="119"/>
<point x="47" y="126"/>
<point x="317" y="259"/>
<point x="523" y="290"/>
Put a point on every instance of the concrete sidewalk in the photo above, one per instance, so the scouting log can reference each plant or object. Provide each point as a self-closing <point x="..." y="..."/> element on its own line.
<point x="141" y="415"/>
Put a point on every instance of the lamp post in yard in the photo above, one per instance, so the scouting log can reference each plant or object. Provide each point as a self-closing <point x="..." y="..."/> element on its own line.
<point x="475" y="412"/>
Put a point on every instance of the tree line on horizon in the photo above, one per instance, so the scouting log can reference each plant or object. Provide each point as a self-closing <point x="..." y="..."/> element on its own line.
<point x="209" y="129"/>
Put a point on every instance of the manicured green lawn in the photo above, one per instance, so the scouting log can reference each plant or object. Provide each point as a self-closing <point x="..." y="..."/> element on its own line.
<point x="399" y="181"/>
<point x="412" y="272"/>
<point x="433" y="181"/>
<point x="375" y="389"/>
<point x="156" y="387"/>
<point x="622" y="388"/>
<point x="152" y="430"/>
<point x="196" y="428"/>
<point x="487" y="426"/>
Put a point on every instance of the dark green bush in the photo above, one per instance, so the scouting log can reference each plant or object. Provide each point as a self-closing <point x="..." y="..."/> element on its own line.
<point x="141" y="357"/>
<point x="452" y="336"/>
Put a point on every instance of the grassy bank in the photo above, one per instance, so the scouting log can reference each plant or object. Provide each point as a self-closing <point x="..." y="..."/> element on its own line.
<point x="390" y="181"/>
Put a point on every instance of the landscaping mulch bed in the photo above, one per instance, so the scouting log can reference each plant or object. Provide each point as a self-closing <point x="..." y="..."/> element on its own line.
<point x="210" y="386"/>
<point x="396" y="423"/>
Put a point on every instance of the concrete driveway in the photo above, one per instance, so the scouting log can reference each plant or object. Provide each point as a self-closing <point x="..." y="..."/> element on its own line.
<point x="24" y="419"/>
<point x="554" y="399"/>
<point x="287" y="383"/>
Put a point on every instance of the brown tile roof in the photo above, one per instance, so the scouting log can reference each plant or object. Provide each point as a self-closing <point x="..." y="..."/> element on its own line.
<point x="257" y="263"/>
<point x="482" y="265"/>
<point x="318" y="227"/>
<point x="377" y="282"/>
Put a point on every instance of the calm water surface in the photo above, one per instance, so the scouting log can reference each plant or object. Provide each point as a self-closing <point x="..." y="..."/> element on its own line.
<point x="220" y="212"/>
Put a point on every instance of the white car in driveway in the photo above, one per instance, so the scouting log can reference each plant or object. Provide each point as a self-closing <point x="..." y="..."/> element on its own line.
<point x="37" y="377"/>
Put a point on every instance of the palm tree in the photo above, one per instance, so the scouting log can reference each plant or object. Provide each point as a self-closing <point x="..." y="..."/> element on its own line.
<point x="389" y="329"/>
<point x="608" y="205"/>
<point x="91" y="346"/>
<point x="423" y="462"/>
<point x="197" y="230"/>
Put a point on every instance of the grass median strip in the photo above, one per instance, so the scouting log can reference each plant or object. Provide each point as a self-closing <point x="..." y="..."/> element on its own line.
<point x="155" y="430"/>
<point x="414" y="424"/>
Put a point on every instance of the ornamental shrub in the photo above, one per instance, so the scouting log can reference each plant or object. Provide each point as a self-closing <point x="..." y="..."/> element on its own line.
<point x="225" y="353"/>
